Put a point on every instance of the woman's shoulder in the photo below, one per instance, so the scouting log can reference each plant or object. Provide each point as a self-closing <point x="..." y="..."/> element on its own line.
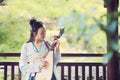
<point x="26" y="44"/>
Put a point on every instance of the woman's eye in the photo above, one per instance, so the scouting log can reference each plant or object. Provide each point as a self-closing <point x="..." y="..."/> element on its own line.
<point x="42" y="33"/>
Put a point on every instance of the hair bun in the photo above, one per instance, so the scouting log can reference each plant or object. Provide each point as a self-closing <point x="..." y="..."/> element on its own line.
<point x="32" y="21"/>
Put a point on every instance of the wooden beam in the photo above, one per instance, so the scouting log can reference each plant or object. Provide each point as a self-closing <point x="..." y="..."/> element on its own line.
<point x="113" y="64"/>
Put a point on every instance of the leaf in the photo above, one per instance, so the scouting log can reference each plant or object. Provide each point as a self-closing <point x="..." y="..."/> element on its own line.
<point x="114" y="45"/>
<point x="102" y="27"/>
<point x="112" y="27"/>
<point x="92" y="30"/>
<point x="107" y="57"/>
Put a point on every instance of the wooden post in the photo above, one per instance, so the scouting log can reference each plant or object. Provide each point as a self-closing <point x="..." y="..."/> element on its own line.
<point x="113" y="64"/>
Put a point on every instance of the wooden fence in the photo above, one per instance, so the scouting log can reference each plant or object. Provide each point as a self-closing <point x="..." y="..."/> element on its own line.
<point x="67" y="70"/>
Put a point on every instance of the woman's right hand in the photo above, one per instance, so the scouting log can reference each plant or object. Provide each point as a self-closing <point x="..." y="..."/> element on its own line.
<point x="44" y="64"/>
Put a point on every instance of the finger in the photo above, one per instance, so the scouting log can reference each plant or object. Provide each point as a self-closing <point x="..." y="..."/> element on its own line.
<point x="56" y="37"/>
<point x="55" y="41"/>
<point x="45" y="66"/>
<point x="46" y="62"/>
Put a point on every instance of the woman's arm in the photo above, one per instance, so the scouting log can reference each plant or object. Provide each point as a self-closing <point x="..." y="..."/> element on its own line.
<point x="24" y="65"/>
<point x="57" y="53"/>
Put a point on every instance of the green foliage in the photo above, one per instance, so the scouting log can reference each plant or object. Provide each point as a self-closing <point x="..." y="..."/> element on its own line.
<point x="13" y="34"/>
<point x="110" y="29"/>
<point x="14" y="27"/>
<point x="78" y="31"/>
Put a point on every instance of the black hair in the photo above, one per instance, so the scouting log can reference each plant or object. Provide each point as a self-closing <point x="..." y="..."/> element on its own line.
<point x="35" y="25"/>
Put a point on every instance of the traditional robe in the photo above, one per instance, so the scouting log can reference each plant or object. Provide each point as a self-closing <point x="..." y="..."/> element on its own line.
<point x="28" y="50"/>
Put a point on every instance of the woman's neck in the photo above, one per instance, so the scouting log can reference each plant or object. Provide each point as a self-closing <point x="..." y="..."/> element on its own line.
<point x="37" y="42"/>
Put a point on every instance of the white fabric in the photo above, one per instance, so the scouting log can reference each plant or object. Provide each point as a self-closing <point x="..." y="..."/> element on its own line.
<point x="26" y="51"/>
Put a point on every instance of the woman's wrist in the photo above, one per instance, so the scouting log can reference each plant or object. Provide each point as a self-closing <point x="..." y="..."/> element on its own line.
<point x="57" y="49"/>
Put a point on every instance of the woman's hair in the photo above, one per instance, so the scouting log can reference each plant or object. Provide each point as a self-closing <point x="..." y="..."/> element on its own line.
<point x="35" y="25"/>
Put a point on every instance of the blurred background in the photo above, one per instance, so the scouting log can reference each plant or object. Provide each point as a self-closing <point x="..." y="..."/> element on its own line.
<point x="82" y="33"/>
<point x="80" y="19"/>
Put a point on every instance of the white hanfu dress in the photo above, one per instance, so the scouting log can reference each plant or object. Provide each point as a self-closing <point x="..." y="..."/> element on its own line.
<point x="27" y="50"/>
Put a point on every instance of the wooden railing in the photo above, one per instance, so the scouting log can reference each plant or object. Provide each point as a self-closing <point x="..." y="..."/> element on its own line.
<point x="67" y="70"/>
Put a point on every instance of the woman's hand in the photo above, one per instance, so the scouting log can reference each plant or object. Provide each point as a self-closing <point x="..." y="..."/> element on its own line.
<point x="44" y="64"/>
<point x="56" y="44"/>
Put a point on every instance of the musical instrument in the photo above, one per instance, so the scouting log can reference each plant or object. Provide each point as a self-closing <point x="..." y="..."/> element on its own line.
<point x="46" y="74"/>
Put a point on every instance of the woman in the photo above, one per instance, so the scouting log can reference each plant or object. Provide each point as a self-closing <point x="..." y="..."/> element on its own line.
<point x="37" y="48"/>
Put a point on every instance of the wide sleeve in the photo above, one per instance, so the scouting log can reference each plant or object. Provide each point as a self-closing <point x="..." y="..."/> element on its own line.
<point x="25" y="66"/>
<point x="56" y="56"/>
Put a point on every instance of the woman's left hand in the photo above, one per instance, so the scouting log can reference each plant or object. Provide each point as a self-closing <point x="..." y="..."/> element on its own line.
<point x="56" y="43"/>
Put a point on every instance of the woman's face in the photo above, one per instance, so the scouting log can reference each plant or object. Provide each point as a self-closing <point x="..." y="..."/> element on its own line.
<point x="40" y="34"/>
